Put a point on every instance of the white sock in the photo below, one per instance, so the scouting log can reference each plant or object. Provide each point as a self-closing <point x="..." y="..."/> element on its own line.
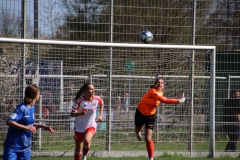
<point x="150" y="158"/>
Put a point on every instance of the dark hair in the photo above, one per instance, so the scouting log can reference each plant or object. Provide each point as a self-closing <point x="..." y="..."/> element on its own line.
<point x="30" y="93"/>
<point x="154" y="85"/>
<point x="81" y="90"/>
<point x="232" y="92"/>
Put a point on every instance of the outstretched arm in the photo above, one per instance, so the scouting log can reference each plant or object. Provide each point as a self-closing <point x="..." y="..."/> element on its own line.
<point x="46" y="127"/>
<point x="170" y="100"/>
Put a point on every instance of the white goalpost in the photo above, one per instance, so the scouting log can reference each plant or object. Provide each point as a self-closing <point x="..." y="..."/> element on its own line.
<point x="128" y="79"/>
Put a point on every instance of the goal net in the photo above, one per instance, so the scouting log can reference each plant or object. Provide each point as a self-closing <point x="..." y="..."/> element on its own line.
<point x="121" y="74"/>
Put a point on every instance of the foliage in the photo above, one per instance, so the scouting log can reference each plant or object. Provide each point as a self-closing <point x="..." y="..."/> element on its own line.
<point x="225" y="13"/>
<point x="9" y="65"/>
<point x="10" y="25"/>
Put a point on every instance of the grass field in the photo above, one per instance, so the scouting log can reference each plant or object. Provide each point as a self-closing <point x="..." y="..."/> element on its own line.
<point x="66" y="145"/>
<point x="139" y="158"/>
<point x="164" y="156"/>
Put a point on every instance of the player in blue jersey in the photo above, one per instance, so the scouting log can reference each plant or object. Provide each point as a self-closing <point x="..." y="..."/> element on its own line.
<point x="21" y="122"/>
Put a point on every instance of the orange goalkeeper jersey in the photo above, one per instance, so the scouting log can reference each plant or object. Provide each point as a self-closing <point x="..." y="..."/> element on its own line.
<point x="149" y="102"/>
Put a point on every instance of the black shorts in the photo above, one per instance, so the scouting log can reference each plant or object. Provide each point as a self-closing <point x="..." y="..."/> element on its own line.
<point x="140" y="120"/>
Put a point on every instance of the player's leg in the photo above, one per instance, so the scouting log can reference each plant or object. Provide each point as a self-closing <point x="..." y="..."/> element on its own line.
<point x="24" y="155"/>
<point x="78" y="150"/>
<point x="139" y="120"/>
<point x="233" y="134"/>
<point x="149" y="143"/>
<point x="233" y="140"/>
<point x="138" y="133"/>
<point x="236" y="137"/>
<point x="88" y="135"/>
<point x="9" y="154"/>
<point x="149" y="125"/>
<point x="78" y="137"/>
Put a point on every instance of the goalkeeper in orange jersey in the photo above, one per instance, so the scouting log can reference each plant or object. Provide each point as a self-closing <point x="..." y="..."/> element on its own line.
<point x="146" y="113"/>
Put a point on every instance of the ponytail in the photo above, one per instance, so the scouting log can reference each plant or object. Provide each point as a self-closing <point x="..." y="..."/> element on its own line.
<point x="81" y="91"/>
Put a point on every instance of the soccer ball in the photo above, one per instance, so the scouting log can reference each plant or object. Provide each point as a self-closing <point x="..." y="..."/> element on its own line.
<point x="146" y="36"/>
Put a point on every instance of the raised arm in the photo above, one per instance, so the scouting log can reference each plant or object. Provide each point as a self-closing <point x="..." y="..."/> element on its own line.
<point x="170" y="100"/>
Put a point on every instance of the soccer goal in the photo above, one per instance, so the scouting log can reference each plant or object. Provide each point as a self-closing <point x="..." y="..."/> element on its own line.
<point x="119" y="71"/>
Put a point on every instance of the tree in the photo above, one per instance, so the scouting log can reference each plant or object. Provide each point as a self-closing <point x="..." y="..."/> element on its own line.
<point x="9" y="61"/>
<point x="169" y="21"/>
<point x="81" y="23"/>
<point x="81" y="20"/>
<point x="10" y="25"/>
<point x="51" y="18"/>
<point x="225" y="14"/>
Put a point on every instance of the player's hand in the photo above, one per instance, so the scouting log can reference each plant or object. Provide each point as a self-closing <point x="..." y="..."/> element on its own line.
<point x="182" y="99"/>
<point x="99" y="119"/>
<point x="83" y="113"/>
<point x="49" y="129"/>
<point x="182" y="95"/>
<point x="32" y="129"/>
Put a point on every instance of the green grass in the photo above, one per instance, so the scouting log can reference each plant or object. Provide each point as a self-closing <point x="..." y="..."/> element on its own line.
<point x="161" y="146"/>
<point x="165" y="157"/>
<point x="167" y="142"/>
<point x="170" y="141"/>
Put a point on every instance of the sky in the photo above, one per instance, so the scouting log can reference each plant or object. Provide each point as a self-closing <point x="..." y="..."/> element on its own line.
<point x="49" y="12"/>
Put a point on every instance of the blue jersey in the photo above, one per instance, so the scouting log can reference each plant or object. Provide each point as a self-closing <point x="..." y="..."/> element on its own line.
<point x="19" y="139"/>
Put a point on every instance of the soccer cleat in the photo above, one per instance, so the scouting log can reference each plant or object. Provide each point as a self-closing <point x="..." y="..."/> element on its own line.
<point x="84" y="157"/>
<point x="139" y="136"/>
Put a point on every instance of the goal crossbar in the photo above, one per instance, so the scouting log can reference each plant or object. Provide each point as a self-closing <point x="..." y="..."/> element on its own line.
<point x="103" y="44"/>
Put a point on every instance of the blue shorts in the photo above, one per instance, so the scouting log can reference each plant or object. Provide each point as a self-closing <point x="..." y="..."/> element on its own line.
<point x="10" y="154"/>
